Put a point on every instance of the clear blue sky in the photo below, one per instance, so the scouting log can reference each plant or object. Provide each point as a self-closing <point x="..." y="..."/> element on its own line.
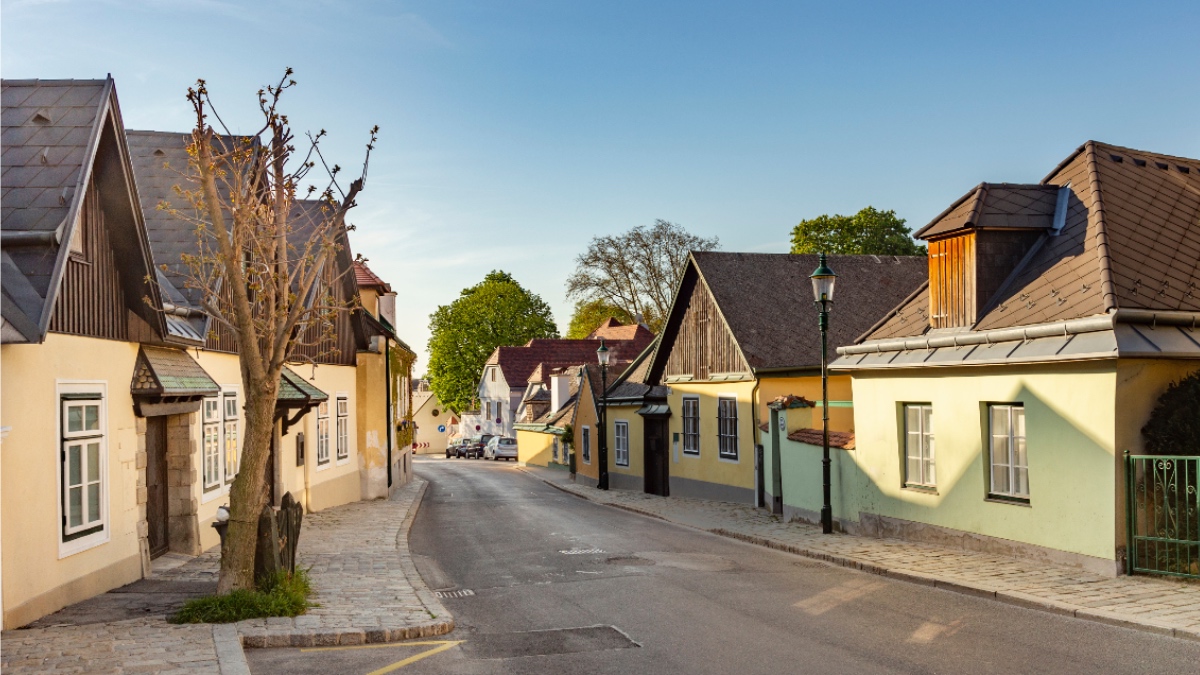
<point x="513" y="132"/>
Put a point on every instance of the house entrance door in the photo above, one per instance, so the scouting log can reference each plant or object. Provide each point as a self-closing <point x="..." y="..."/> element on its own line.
<point x="156" y="484"/>
<point x="655" y="462"/>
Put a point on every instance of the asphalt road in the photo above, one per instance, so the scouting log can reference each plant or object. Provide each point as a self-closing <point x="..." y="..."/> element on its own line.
<point x="562" y="585"/>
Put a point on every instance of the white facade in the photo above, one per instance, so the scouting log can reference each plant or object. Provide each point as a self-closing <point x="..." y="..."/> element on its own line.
<point x="498" y="403"/>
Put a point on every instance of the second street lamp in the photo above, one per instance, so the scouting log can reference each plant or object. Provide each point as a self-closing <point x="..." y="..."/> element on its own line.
<point x="602" y="357"/>
<point x="823" y="280"/>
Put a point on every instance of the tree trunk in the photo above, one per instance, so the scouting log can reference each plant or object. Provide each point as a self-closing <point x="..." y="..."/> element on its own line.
<point x="249" y="493"/>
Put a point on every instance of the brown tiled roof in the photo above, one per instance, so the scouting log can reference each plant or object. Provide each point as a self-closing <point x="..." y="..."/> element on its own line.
<point x="612" y="329"/>
<point x="837" y="439"/>
<point x="519" y="363"/>
<point x="766" y="298"/>
<point x="996" y="205"/>
<point x="368" y="279"/>
<point x="910" y="319"/>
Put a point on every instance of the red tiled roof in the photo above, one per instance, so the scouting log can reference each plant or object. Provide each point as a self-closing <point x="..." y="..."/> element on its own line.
<point x="518" y="363"/>
<point x="612" y="329"/>
<point x="837" y="439"/>
<point x="368" y="279"/>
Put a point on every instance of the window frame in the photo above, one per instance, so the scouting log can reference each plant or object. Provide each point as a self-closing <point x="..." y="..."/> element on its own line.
<point x="323" y="455"/>
<point x="694" y="434"/>
<point x="211" y="443"/>
<point x="926" y="456"/>
<point x="230" y="441"/>
<point x="621" y="443"/>
<point x="585" y="444"/>
<point x="98" y="532"/>
<point x="1014" y="469"/>
<point x="727" y="429"/>
<point x="342" y="412"/>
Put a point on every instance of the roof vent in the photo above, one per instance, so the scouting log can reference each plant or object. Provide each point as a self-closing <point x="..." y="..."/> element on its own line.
<point x="1117" y="158"/>
<point x="159" y="153"/>
<point x="1183" y="169"/>
<point x="1139" y="162"/>
<point x="62" y="198"/>
<point x="46" y="155"/>
<point x="1161" y="165"/>
<point x="42" y="116"/>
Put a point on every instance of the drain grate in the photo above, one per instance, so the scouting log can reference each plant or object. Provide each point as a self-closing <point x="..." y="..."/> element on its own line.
<point x="462" y="593"/>
<point x="582" y="551"/>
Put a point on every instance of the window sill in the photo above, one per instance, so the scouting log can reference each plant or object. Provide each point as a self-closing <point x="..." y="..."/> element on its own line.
<point x="343" y="461"/>
<point x="728" y="459"/>
<point x="1011" y="501"/>
<point x="70" y="548"/>
<point x="213" y="494"/>
<point x="923" y="489"/>
<point x="691" y="453"/>
<point x="321" y="466"/>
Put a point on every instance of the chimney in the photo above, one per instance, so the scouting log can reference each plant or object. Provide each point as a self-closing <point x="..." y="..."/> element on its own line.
<point x="560" y="389"/>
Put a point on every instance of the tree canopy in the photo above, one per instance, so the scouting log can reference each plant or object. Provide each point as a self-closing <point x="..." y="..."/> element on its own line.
<point x="870" y="231"/>
<point x="496" y="312"/>
<point x="1174" y="424"/>
<point x="638" y="270"/>
<point x="589" y="314"/>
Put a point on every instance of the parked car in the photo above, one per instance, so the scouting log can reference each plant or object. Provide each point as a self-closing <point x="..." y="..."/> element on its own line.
<point x="452" y="449"/>
<point x="473" y="447"/>
<point x="501" y="447"/>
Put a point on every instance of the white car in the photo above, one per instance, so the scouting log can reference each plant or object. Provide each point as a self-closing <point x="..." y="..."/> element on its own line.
<point x="501" y="447"/>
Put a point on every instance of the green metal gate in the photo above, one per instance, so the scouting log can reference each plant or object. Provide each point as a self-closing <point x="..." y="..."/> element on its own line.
<point x="1163" y="497"/>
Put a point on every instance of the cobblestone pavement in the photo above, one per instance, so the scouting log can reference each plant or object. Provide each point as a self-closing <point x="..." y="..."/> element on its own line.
<point x="363" y="580"/>
<point x="1161" y="605"/>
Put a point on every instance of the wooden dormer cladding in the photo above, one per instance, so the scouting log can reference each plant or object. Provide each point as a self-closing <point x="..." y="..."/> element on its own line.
<point x="704" y="344"/>
<point x="952" y="281"/>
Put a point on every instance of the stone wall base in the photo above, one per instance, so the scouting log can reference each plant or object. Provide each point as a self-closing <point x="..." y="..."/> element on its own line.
<point x="698" y="489"/>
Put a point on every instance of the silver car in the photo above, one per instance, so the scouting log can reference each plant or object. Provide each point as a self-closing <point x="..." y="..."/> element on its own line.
<point x="501" y="447"/>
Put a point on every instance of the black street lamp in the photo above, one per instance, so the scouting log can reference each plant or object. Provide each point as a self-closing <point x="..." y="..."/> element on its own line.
<point x="823" y="279"/>
<point x="602" y="357"/>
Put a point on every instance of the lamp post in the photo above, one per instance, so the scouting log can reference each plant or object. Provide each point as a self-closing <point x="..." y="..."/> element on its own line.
<point x="823" y="280"/>
<point x="602" y="357"/>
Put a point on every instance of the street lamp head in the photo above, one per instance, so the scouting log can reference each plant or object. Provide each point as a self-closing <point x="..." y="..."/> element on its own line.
<point x="823" y="280"/>
<point x="602" y="353"/>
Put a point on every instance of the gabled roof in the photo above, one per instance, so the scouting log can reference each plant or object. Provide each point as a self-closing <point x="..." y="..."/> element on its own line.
<point x="57" y="136"/>
<point x="611" y="329"/>
<point x="368" y="279"/>
<point x="518" y="363"/>
<point x="295" y="390"/>
<point x="633" y="385"/>
<point x="999" y="206"/>
<point x="766" y="301"/>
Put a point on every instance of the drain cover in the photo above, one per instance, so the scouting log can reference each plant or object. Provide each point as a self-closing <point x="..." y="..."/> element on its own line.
<point x="454" y="594"/>
<point x="581" y="551"/>
<point x="546" y="642"/>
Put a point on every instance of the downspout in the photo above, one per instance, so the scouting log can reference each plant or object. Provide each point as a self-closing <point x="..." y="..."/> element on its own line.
<point x="756" y="434"/>
<point x="387" y="413"/>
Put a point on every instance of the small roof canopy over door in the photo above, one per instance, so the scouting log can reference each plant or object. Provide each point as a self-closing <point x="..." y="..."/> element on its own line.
<point x="296" y="393"/>
<point x="168" y="382"/>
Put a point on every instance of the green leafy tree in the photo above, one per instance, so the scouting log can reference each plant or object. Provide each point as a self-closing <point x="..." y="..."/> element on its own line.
<point x="1174" y="424"/>
<point x="869" y="231"/>
<point x="497" y="312"/>
<point x="589" y="314"/>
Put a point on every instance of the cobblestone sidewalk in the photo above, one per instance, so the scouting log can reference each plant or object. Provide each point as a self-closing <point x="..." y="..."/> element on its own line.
<point x="363" y="580"/>
<point x="1159" y="605"/>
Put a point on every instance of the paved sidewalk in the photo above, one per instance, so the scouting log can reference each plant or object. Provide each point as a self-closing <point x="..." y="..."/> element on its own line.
<point x="1159" y="605"/>
<point x="363" y="579"/>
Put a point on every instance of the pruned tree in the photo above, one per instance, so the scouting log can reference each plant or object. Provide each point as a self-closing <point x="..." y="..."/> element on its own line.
<point x="264" y="270"/>
<point x="589" y="314"/>
<point x="638" y="270"/>
<point x="496" y="312"/>
<point x="870" y="231"/>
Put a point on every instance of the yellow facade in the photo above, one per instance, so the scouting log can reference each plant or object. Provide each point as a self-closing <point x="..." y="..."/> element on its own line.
<point x="586" y="422"/>
<point x="841" y="408"/>
<point x="705" y="474"/>
<point x="42" y="573"/>
<point x="536" y="448"/>
<point x="630" y="476"/>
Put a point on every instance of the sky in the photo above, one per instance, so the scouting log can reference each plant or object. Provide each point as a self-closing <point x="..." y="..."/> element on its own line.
<point x="511" y="133"/>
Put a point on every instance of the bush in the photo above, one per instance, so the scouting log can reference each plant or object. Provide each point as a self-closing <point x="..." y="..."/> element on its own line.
<point x="1174" y="426"/>
<point x="282" y="595"/>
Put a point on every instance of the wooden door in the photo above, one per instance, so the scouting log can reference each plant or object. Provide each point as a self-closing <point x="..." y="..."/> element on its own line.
<point x="156" y="484"/>
<point x="656" y="468"/>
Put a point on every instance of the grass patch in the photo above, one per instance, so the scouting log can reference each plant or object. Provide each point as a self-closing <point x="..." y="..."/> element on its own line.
<point x="282" y="595"/>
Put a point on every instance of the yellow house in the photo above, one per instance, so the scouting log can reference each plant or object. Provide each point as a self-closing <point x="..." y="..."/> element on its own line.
<point x="741" y="333"/>
<point x="994" y="407"/>
<point x="552" y="412"/>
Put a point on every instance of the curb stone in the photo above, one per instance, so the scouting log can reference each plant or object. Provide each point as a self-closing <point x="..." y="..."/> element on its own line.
<point x="1015" y="598"/>
<point x="231" y="660"/>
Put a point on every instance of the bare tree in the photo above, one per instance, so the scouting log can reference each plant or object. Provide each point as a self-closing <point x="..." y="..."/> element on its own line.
<point x="638" y="270"/>
<point x="265" y="269"/>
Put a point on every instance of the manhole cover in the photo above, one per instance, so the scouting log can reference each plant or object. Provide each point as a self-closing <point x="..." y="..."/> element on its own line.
<point x="546" y="642"/>
<point x="628" y="560"/>
<point x="462" y="593"/>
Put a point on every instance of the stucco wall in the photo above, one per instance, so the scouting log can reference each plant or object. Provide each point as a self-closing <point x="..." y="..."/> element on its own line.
<point x="635" y="470"/>
<point x="427" y="427"/>
<point x="691" y="473"/>
<point x="1070" y="426"/>
<point x="372" y="425"/>
<point x="841" y="408"/>
<point x="586" y="417"/>
<point x="535" y="447"/>
<point x="39" y="575"/>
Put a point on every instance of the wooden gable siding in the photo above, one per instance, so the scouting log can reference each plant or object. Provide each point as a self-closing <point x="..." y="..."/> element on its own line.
<point x="704" y="344"/>
<point x="91" y="301"/>
<point x="952" y="281"/>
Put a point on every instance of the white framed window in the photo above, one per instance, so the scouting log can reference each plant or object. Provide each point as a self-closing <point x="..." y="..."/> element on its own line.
<point x="231" y="436"/>
<point x="1007" y="457"/>
<point x="212" y="443"/>
<point x="727" y="432"/>
<point x="919" y="469"/>
<point x="691" y="425"/>
<point x="554" y="449"/>
<point x="587" y="445"/>
<point x="83" y="466"/>
<point x="621" y="442"/>
<point x="323" y="433"/>
<point x="343" y="429"/>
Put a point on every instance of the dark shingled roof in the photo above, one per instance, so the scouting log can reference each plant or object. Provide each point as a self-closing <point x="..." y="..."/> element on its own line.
<point x="996" y="205"/>
<point x="766" y="299"/>
<point x="295" y="389"/>
<point x="170" y="372"/>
